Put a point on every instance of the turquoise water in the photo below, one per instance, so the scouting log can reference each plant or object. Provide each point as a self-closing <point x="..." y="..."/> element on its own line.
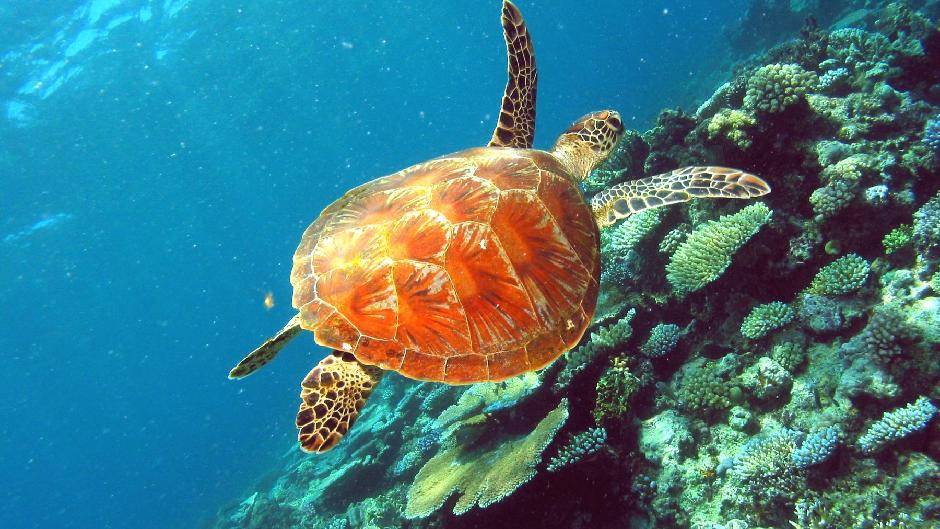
<point x="158" y="163"/>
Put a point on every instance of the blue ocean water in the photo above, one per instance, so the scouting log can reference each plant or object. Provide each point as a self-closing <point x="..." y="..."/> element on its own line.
<point x="158" y="163"/>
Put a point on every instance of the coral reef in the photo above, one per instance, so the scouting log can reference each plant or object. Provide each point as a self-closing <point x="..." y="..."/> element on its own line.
<point x="481" y="474"/>
<point x="745" y="369"/>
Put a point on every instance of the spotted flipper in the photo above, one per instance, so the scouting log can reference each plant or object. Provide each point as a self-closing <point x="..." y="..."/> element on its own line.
<point x="333" y="393"/>
<point x="516" y="126"/>
<point x="680" y="185"/>
<point x="267" y="351"/>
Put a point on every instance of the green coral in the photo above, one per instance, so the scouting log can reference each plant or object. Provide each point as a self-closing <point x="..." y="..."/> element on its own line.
<point x="704" y="390"/>
<point x="935" y="283"/>
<point x="842" y="182"/>
<point x="623" y="239"/>
<point x="789" y="355"/>
<point x="481" y="465"/>
<point x="765" y="318"/>
<point x="843" y="276"/>
<point x="898" y="238"/>
<point x="708" y="250"/>
<point x="774" y="87"/>
<point x="733" y="125"/>
<point x="615" y="388"/>
<point x="674" y="238"/>
<point x="601" y="341"/>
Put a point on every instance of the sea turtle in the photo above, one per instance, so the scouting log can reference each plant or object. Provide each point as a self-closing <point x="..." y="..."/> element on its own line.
<point x="475" y="266"/>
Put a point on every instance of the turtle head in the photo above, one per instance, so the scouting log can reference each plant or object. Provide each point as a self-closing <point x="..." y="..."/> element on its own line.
<point x="588" y="141"/>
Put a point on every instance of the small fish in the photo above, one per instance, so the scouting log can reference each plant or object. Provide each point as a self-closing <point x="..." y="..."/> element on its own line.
<point x="269" y="300"/>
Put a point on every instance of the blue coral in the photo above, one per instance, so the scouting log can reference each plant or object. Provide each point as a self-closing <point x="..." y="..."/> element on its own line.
<point x="663" y="339"/>
<point x="927" y="225"/>
<point x="932" y="133"/>
<point x="817" y="447"/>
<point x="897" y="424"/>
<point x="578" y="447"/>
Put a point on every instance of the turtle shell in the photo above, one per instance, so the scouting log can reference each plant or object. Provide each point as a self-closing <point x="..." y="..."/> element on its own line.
<point x="476" y="266"/>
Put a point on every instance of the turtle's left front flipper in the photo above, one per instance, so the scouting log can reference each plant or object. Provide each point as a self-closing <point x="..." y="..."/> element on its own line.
<point x="680" y="185"/>
<point x="266" y="351"/>
<point x="333" y="394"/>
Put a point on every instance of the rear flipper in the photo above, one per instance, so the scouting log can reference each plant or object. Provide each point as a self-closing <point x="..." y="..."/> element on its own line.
<point x="333" y="394"/>
<point x="680" y="185"/>
<point x="267" y="351"/>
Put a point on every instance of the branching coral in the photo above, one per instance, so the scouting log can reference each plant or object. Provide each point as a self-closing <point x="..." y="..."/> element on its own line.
<point x="764" y="467"/>
<point x="663" y="338"/>
<point x="775" y="87"/>
<point x="817" y="447"/>
<point x="766" y="318"/>
<point x="886" y="333"/>
<point x="898" y="238"/>
<point x="615" y="388"/>
<point x="601" y="341"/>
<point x="734" y="125"/>
<point x="897" y="424"/>
<point x="708" y="250"/>
<point x="843" y="276"/>
<point x="932" y="133"/>
<point x="927" y="226"/>
<point x="483" y="467"/>
<point x="577" y="448"/>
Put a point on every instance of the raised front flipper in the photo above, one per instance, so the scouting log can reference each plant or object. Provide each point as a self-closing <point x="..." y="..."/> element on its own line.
<point x="680" y="185"/>
<point x="267" y="351"/>
<point x="516" y="126"/>
<point x="333" y="394"/>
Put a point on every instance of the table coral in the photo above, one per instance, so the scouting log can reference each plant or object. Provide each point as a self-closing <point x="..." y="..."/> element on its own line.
<point x="485" y="472"/>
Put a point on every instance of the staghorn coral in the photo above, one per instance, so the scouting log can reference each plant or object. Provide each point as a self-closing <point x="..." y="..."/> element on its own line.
<point x="843" y="276"/>
<point x="708" y="250"/>
<point x="897" y="424"/>
<point x="481" y="473"/>
<point x="766" y="318"/>
<point x="577" y="448"/>
<point x="774" y="87"/>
